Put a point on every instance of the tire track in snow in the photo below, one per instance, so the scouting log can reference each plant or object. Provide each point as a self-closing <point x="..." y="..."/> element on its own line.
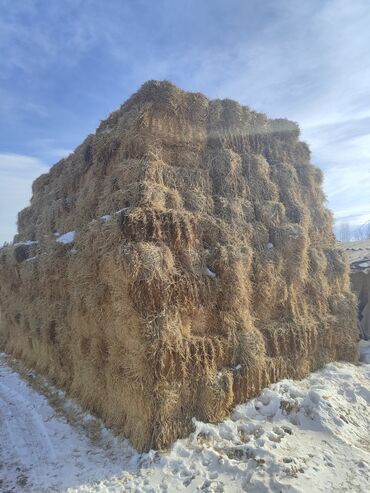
<point x="26" y="431"/>
<point x="41" y="452"/>
<point x="262" y="447"/>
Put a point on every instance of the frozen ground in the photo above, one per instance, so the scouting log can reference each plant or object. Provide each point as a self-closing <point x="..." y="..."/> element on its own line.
<point x="357" y="250"/>
<point x="309" y="436"/>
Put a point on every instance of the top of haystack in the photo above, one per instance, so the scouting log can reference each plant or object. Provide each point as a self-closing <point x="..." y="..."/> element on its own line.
<point x="164" y="96"/>
<point x="159" y="132"/>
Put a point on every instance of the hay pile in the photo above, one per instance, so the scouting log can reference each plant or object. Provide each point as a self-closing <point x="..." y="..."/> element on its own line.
<point x="203" y="265"/>
<point x="360" y="280"/>
<point x="359" y="257"/>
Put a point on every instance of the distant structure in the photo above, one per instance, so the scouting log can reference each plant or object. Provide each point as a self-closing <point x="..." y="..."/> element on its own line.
<point x="175" y="264"/>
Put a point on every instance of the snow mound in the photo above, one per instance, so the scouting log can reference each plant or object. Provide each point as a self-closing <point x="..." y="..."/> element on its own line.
<point x="297" y="436"/>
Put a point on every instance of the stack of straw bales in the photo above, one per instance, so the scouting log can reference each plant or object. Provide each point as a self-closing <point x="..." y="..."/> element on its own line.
<point x="202" y="268"/>
<point x="359" y="257"/>
<point x="361" y="286"/>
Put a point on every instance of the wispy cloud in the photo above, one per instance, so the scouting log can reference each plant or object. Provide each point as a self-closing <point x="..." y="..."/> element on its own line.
<point x="48" y="149"/>
<point x="343" y="151"/>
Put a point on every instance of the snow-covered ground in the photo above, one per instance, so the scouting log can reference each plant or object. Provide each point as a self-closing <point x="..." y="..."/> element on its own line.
<point x="311" y="436"/>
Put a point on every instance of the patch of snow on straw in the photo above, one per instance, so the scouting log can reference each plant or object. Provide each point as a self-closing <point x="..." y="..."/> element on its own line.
<point x="363" y="265"/>
<point x="67" y="237"/>
<point x="122" y="210"/>
<point x="106" y="217"/>
<point x="210" y="273"/>
<point x="26" y="243"/>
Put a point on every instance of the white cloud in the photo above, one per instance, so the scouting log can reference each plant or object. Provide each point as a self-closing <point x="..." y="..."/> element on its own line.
<point x="17" y="173"/>
<point x="343" y="151"/>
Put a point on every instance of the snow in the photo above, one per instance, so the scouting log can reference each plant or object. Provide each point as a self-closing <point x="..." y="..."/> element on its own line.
<point x="210" y="274"/>
<point x="270" y="245"/>
<point x="67" y="237"/>
<point x="106" y="217"/>
<point x="26" y="243"/>
<point x="363" y="265"/>
<point x="297" y="436"/>
<point x="122" y="210"/>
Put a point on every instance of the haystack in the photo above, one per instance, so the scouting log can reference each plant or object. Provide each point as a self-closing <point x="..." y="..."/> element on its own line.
<point x="176" y="263"/>
<point x="359" y="257"/>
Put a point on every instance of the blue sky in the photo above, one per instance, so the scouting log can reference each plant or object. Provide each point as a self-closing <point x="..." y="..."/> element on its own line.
<point x="65" y="65"/>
